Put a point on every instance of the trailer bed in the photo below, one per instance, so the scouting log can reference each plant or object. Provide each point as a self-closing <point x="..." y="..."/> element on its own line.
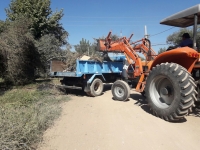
<point x="84" y="67"/>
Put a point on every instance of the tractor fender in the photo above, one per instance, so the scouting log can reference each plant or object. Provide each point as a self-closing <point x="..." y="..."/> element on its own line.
<point x="89" y="81"/>
<point x="183" y="56"/>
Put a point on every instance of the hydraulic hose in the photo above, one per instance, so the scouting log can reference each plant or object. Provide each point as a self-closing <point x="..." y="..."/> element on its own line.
<point x="149" y="51"/>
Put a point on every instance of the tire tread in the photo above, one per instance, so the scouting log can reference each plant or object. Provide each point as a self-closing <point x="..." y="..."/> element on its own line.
<point x="187" y="91"/>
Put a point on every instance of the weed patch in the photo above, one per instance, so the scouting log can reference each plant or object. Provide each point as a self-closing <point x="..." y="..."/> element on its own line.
<point x="25" y="114"/>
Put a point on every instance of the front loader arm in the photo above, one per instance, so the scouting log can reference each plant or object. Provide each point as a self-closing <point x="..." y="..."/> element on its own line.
<point x="145" y="48"/>
<point x="122" y="46"/>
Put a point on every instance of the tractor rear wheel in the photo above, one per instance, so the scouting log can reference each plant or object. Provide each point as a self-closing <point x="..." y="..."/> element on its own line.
<point x="170" y="91"/>
<point x="120" y="90"/>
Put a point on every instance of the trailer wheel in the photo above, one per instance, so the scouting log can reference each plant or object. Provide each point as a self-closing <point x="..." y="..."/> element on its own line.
<point x="96" y="87"/>
<point x="89" y="94"/>
<point x="120" y="90"/>
<point x="170" y="91"/>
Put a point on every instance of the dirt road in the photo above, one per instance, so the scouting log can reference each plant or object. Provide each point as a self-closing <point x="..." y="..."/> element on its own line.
<point x="102" y="123"/>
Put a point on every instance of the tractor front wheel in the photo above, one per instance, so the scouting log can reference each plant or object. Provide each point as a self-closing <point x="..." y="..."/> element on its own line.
<point x="120" y="90"/>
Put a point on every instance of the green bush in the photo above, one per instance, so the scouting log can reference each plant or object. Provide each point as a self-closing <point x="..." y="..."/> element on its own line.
<point x="18" y="54"/>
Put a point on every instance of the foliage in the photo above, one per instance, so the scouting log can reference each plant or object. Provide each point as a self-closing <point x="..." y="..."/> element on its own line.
<point x="175" y="38"/>
<point x="83" y="47"/>
<point x="26" y="113"/>
<point x="48" y="47"/>
<point x="43" y="21"/>
<point x="2" y="26"/>
<point x="30" y="37"/>
<point x="161" y="50"/>
<point x="113" y="37"/>
<point x="19" y="56"/>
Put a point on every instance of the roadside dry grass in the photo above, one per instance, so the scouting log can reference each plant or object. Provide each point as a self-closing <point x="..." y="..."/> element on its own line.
<point x="26" y="112"/>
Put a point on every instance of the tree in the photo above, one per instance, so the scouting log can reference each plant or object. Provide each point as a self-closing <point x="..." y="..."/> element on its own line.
<point x="83" y="47"/>
<point x="161" y="50"/>
<point x="44" y="25"/>
<point x="175" y="38"/>
<point x="113" y="37"/>
<point x="42" y="20"/>
<point x="2" y="26"/>
<point x="92" y="49"/>
<point x="19" y="57"/>
<point x="48" y="48"/>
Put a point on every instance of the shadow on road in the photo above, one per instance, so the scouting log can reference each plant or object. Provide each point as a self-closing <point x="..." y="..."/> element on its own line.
<point x="107" y="87"/>
<point x="80" y="92"/>
<point x="75" y="92"/>
<point x="140" y="101"/>
<point x="195" y="112"/>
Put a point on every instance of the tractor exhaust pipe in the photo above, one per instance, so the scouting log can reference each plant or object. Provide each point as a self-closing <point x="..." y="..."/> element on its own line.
<point x="195" y="31"/>
<point x="149" y="51"/>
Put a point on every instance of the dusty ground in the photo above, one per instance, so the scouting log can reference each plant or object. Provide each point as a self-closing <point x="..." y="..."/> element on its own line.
<point x="102" y="123"/>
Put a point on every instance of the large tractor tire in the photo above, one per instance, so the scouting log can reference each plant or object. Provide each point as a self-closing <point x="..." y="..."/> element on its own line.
<point x="96" y="88"/>
<point x="120" y="90"/>
<point x="170" y="91"/>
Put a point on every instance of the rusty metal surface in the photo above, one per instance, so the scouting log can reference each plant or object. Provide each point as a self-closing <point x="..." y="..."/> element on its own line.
<point x="57" y="65"/>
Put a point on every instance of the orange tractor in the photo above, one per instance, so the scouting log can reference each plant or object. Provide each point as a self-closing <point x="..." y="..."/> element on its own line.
<point x="170" y="80"/>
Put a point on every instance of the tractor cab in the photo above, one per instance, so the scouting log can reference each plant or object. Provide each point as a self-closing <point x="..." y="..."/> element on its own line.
<point x="185" y="18"/>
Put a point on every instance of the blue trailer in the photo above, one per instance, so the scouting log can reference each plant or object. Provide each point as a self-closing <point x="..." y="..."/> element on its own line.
<point x="89" y="75"/>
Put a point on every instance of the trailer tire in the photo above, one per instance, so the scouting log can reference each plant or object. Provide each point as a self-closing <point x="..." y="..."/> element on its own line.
<point x="120" y="90"/>
<point x="170" y="91"/>
<point x="89" y="94"/>
<point x="96" y="87"/>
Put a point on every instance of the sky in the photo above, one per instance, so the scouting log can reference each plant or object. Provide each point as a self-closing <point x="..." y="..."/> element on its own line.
<point x="91" y="19"/>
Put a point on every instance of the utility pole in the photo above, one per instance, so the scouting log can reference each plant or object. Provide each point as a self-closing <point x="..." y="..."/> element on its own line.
<point x="88" y="51"/>
<point x="145" y="32"/>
